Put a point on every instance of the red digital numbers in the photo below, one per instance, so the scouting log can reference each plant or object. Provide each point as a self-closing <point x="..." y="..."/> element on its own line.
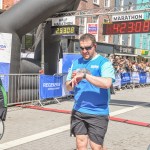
<point x="128" y="27"/>
<point x="138" y="27"/>
<point x="116" y="28"/>
<point x="146" y="26"/>
<point x="108" y="29"/>
<point x="123" y="27"/>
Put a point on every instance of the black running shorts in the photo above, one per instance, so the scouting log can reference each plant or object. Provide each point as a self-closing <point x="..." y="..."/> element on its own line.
<point x="95" y="126"/>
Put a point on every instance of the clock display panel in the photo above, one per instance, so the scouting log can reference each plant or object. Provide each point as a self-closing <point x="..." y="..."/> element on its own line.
<point x="65" y="30"/>
<point x="127" y="27"/>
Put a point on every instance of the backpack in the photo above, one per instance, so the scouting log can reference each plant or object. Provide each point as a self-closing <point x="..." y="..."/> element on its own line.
<point x="3" y="102"/>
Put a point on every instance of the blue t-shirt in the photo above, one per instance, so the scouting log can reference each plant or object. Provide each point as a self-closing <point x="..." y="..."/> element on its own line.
<point x="88" y="97"/>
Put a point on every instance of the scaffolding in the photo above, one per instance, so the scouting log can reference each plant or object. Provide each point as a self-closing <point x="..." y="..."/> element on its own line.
<point x="136" y="8"/>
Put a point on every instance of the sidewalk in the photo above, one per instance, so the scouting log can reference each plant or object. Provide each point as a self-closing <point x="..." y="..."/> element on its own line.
<point x="31" y="129"/>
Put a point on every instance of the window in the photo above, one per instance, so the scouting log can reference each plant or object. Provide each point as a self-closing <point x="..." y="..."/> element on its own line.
<point x="106" y="3"/>
<point x="141" y="40"/>
<point x="106" y="38"/>
<point x="106" y="20"/>
<point x="81" y="21"/>
<point x="28" y="41"/>
<point x="94" y="19"/>
<point x="82" y="24"/>
<point x="64" y="45"/>
<point x="81" y="30"/>
<point x="96" y="2"/>
<point x="148" y="41"/>
<point x="76" y="47"/>
<point x="121" y="4"/>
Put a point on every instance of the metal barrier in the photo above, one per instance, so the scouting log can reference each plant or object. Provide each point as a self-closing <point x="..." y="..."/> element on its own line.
<point x="21" y="88"/>
<point x="24" y="88"/>
<point x="130" y="80"/>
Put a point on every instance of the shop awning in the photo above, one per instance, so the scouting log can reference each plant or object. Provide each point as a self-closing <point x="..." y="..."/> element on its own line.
<point x="147" y="57"/>
<point x="122" y="54"/>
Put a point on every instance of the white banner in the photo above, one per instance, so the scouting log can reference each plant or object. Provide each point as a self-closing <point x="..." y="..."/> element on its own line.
<point x="5" y="47"/>
<point x="63" y="21"/>
<point x="127" y="17"/>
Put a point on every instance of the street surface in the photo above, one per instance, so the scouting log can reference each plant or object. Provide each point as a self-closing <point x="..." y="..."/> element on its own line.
<point x="32" y="129"/>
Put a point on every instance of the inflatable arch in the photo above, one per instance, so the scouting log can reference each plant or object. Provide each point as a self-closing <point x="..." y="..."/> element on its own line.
<point x="24" y="17"/>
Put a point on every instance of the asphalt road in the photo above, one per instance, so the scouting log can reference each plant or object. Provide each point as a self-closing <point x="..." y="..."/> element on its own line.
<point x="33" y="129"/>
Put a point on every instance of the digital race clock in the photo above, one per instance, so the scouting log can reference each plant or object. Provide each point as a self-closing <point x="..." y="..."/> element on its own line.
<point x="127" y="27"/>
<point x="65" y="30"/>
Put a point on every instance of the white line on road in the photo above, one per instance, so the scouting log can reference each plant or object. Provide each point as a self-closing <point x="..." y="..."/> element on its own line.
<point x="33" y="137"/>
<point x="40" y="135"/>
<point x="118" y="112"/>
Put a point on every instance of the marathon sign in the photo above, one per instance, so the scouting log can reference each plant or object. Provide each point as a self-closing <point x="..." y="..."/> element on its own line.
<point x="129" y="17"/>
<point x="63" y="21"/>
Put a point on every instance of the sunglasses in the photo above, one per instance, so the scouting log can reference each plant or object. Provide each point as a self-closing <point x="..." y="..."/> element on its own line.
<point x="86" y="48"/>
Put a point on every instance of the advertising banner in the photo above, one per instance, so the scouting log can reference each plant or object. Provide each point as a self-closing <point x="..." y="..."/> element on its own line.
<point x="63" y="21"/>
<point x="5" y="57"/>
<point x="142" y="77"/>
<point x="4" y="70"/>
<point x="117" y="82"/>
<point x="125" y="78"/>
<point x="50" y="86"/>
<point x="135" y="77"/>
<point x="92" y="28"/>
<point x="5" y="47"/>
<point x="148" y="78"/>
<point x="67" y="61"/>
<point x="127" y="17"/>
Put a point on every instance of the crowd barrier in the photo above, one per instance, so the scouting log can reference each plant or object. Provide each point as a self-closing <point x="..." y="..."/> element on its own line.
<point x="53" y="87"/>
<point x="23" y="88"/>
<point x="50" y="86"/>
<point x="131" y="79"/>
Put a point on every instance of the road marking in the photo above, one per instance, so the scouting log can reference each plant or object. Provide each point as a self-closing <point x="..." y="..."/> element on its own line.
<point x="33" y="137"/>
<point x="118" y="112"/>
<point x="40" y="135"/>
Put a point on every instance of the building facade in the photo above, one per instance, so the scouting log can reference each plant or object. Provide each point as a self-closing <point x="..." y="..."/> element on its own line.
<point x="87" y="23"/>
<point x="94" y="24"/>
<point x="6" y="4"/>
<point x="141" y="41"/>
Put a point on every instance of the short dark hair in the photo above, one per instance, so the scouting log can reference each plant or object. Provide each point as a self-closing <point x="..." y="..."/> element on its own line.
<point x="88" y="36"/>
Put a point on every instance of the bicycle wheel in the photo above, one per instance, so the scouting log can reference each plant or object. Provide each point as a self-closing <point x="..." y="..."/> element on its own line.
<point x="1" y="128"/>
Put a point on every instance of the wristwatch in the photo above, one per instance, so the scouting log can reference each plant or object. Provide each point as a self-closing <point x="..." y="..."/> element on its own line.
<point x="84" y="76"/>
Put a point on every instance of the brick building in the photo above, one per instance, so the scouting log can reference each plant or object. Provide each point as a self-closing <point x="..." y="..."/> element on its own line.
<point x="6" y="4"/>
<point x="84" y="21"/>
<point x="99" y="19"/>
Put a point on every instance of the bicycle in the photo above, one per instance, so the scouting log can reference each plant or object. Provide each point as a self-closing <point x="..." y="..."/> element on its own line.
<point x="3" y="109"/>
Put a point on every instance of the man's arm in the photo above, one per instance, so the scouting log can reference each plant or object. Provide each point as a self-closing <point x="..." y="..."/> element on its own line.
<point x="102" y="82"/>
<point x="69" y="85"/>
<point x="106" y="79"/>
